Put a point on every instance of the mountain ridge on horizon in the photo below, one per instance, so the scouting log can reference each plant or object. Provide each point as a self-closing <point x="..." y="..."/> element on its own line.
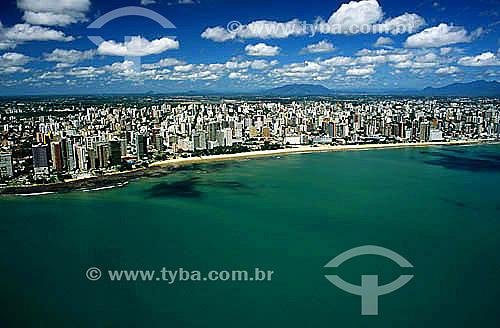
<point x="473" y="89"/>
<point x="479" y="88"/>
<point x="470" y="89"/>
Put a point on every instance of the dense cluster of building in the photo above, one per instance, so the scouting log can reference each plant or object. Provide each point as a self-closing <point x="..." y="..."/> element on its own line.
<point x="96" y="139"/>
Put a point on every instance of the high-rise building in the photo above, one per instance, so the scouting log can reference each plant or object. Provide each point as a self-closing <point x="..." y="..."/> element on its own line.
<point x="41" y="159"/>
<point x="159" y="143"/>
<point x="228" y="137"/>
<point x="123" y="147"/>
<point x="199" y="140"/>
<point x="212" y="131"/>
<point x="140" y="146"/>
<point x="6" y="170"/>
<point x="395" y="130"/>
<point x="93" y="163"/>
<point x="70" y="155"/>
<point x="103" y="153"/>
<point x="238" y="130"/>
<point x="81" y="157"/>
<point x="57" y="157"/>
<point x="425" y="132"/>
<point x="116" y="153"/>
<point x="220" y="139"/>
<point x="332" y="129"/>
<point x="64" y="154"/>
<point x="172" y="140"/>
<point x="401" y="130"/>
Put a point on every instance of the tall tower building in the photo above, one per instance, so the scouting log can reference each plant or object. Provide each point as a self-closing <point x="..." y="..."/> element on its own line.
<point x="199" y="140"/>
<point x="57" y="157"/>
<point x="41" y="159"/>
<point x="103" y="154"/>
<point x="212" y="131"/>
<point x="141" y="146"/>
<point x="116" y="153"/>
<point x="70" y="155"/>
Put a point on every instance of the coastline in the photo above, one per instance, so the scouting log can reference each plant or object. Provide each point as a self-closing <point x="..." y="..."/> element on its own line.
<point x="309" y="149"/>
<point x="162" y="168"/>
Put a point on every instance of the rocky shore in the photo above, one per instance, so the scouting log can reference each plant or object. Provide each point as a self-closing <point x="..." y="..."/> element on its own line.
<point x="87" y="183"/>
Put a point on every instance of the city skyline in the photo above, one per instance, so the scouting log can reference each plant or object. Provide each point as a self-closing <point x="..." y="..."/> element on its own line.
<point x="44" y="46"/>
<point x="41" y="144"/>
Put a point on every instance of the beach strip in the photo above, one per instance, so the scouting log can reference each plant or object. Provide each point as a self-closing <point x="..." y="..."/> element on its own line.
<point x="307" y="149"/>
<point x="103" y="182"/>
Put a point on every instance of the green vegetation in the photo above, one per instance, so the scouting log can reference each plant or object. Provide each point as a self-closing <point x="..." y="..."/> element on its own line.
<point x="236" y="149"/>
<point x="63" y="176"/>
<point x="160" y="157"/>
<point x="269" y="146"/>
<point x="124" y="166"/>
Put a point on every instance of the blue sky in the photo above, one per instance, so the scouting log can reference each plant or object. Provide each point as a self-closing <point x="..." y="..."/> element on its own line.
<point x="368" y="44"/>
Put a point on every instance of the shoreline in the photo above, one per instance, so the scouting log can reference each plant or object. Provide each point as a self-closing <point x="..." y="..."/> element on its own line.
<point x="310" y="149"/>
<point x="157" y="169"/>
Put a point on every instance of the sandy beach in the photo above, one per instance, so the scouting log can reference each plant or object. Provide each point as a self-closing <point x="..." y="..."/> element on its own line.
<point x="158" y="168"/>
<point x="307" y="149"/>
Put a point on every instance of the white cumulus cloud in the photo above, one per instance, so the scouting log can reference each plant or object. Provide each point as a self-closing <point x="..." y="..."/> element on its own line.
<point x="68" y="56"/>
<point x="361" y="71"/>
<point x="440" y="36"/>
<point x="406" y="23"/>
<point x="27" y="32"/>
<point x="165" y="62"/>
<point x="448" y="70"/>
<point x="184" y="68"/>
<point x="263" y="64"/>
<point x="13" y="59"/>
<point x="319" y="48"/>
<point x="262" y="49"/>
<point x="272" y="30"/>
<point x="357" y="13"/>
<point x="137" y="47"/>
<point x="54" y="12"/>
<point x="340" y="61"/>
<point x="11" y="37"/>
<point x="261" y="29"/>
<point x="355" y="17"/>
<point x="237" y="75"/>
<point x="485" y="59"/>
<point x="218" y="34"/>
<point x="85" y="72"/>
<point x="383" y="41"/>
<point x="50" y="18"/>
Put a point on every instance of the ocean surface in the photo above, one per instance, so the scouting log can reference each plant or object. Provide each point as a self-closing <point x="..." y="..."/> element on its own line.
<point x="437" y="207"/>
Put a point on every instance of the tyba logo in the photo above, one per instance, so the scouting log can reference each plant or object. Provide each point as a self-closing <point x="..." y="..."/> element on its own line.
<point x="369" y="289"/>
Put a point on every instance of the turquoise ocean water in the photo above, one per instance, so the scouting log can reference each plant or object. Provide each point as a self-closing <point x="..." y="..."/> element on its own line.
<point x="437" y="207"/>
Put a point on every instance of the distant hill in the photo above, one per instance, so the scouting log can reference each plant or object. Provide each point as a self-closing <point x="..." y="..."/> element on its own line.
<point x="299" y="90"/>
<point x="472" y="89"/>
